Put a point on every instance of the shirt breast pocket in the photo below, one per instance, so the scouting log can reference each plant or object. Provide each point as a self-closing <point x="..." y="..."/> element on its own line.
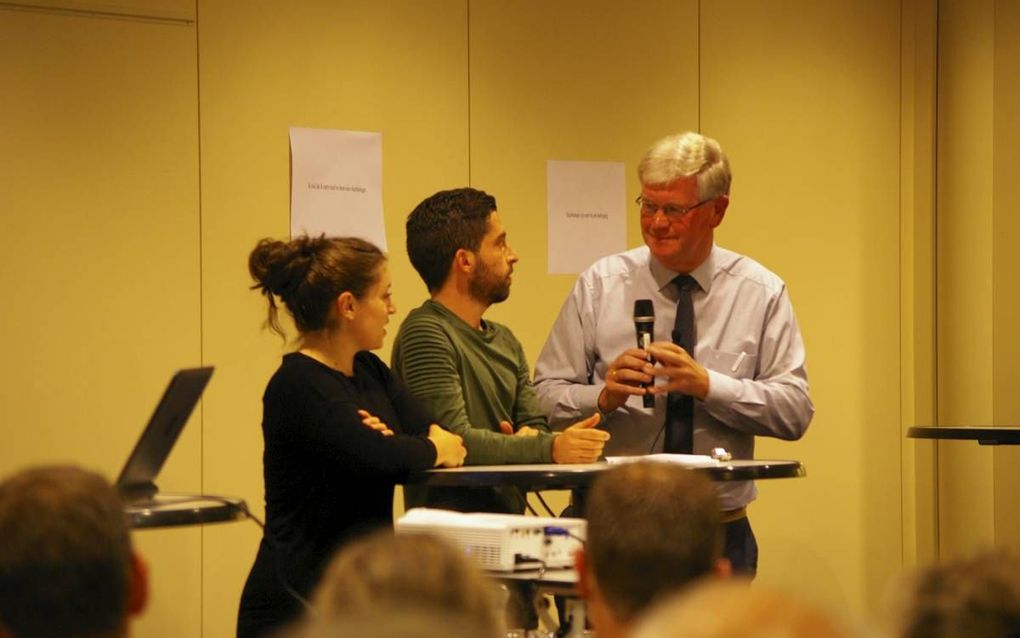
<point x="739" y="365"/>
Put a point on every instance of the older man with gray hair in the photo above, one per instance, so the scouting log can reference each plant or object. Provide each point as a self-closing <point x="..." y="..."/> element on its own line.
<point x="727" y="360"/>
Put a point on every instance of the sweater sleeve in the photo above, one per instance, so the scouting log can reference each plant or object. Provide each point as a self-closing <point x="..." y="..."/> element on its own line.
<point x="328" y="424"/>
<point x="415" y="417"/>
<point x="425" y="358"/>
<point x="527" y="410"/>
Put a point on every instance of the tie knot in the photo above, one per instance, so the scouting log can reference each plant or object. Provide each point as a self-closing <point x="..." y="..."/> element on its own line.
<point x="686" y="282"/>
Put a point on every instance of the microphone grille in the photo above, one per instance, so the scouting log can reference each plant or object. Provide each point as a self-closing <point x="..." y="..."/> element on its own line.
<point x="644" y="308"/>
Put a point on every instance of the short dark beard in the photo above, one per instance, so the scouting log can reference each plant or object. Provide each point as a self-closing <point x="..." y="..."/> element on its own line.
<point x="483" y="288"/>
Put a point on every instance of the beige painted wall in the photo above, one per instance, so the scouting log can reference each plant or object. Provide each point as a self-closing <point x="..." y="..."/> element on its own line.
<point x="1005" y="266"/>
<point x="977" y="264"/>
<point x="100" y="257"/>
<point x="918" y="29"/>
<point x="812" y="132"/>
<point x="394" y="67"/>
<point x="965" y="266"/>
<point x="161" y="151"/>
<point x="606" y="91"/>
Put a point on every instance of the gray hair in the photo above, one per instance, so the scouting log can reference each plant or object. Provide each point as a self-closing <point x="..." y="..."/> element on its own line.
<point x="683" y="155"/>
<point x="724" y="608"/>
<point x="383" y="571"/>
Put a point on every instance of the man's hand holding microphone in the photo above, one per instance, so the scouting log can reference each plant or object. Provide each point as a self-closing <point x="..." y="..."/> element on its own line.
<point x="633" y="372"/>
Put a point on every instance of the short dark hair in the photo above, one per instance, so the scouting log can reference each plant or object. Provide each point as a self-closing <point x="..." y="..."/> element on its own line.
<point x="653" y="528"/>
<point x="309" y="273"/>
<point x="443" y="224"/>
<point x="65" y="554"/>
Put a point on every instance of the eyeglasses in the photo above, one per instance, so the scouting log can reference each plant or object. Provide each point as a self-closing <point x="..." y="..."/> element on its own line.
<point x="672" y="212"/>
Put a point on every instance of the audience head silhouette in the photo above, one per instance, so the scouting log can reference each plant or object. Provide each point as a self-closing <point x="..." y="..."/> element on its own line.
<point x="67" y="567"/>
<point x="977" y="596"/>
<point x="653" y="528"/>
<point x="733" y="608"/>
<point x="389" y="575"/>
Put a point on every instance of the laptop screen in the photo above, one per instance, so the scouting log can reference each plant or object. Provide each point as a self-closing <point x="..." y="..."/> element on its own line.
<point x="137" y="479"/>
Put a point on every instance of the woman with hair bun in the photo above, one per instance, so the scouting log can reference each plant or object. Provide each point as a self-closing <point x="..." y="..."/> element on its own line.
<point x="340" y="430"/>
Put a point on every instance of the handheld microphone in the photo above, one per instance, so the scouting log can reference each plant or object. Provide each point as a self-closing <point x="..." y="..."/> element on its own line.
<point x="644" y="324"/>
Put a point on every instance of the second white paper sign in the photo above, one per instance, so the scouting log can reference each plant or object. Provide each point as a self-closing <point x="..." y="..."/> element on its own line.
<point x="587" y="213"/>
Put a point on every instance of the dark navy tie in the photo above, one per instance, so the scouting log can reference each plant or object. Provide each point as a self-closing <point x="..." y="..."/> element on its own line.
<point x="680" y="407"/>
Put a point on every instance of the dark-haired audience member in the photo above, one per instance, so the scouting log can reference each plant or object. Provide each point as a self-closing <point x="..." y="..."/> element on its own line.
<point x="391" y="575"/>
<point x="340" y="430"/>
<point x="653" y="529"/>
<point x="978" y="596"/>
<point x="735" y="609"/>
<point x="67" y="567"/>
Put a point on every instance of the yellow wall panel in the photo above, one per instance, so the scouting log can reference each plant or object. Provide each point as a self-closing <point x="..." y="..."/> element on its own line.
<point x="978" y="261"/>
<point x="1006" y="265"/>
<point x="569" y="81"/>
<point x="395" y="67"/>
<point x="99" y="197"/>
<point x="805" y="98"/>
<point x="917" y="300"/>
<point x="965" y="284"/>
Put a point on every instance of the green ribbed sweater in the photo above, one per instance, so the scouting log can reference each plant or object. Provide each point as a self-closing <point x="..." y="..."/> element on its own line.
<point x="471" y="380"/>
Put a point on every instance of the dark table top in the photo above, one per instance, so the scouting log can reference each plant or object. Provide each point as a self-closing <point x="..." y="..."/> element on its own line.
<point x="174" y="510"/>
<point x="552" y="476"/>
<point x="985" y="435"/>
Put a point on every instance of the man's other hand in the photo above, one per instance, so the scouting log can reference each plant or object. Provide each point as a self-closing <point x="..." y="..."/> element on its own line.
<point x="580" y="443"/>
<point x="683" y="373"/>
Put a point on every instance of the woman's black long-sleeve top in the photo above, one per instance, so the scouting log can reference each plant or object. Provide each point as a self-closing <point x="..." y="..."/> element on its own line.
<point x="328" y="477"/>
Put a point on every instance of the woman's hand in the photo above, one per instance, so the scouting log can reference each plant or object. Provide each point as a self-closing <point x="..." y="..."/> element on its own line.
<point x="373" y="422"/>
<point x="450" y="451"/>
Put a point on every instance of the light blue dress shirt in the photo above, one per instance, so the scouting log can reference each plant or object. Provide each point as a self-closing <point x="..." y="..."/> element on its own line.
<point x="747" y="339"/>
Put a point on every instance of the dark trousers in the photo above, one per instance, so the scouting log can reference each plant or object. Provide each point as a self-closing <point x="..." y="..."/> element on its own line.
<point x="741" y="547"/>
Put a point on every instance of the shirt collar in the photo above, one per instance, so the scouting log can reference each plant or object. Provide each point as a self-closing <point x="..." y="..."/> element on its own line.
<point x="703" y="274"/>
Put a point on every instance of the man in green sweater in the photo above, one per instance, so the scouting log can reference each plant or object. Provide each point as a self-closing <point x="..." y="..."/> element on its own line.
<point x="472" y="373"/>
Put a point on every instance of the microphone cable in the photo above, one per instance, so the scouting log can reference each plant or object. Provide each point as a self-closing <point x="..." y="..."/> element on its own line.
<point x="658" y="434"/>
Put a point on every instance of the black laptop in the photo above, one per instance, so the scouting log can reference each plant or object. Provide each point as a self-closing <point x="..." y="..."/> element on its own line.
<point x="137" y="479"/>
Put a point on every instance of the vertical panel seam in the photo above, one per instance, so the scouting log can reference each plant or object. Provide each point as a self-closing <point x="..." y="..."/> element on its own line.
<point x="699" y="66"/>
<point x="467" y="6"/>
<point x="937" y="464"/>
<point x="201" y="323"/>
<point x="899" y="246"/>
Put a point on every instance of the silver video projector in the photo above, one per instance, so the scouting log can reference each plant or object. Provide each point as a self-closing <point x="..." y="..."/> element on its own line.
<point x="501" y="542"/>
